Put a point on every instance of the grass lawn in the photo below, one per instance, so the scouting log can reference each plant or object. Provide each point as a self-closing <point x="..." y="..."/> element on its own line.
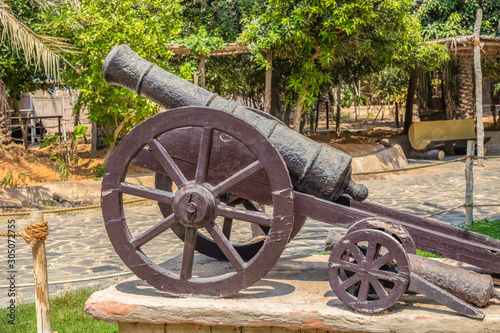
<point x="66" y="312"/>
<point x="484" y="226"/>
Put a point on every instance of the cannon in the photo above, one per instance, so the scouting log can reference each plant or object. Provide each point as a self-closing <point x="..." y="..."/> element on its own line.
<point x="227" y="161"/>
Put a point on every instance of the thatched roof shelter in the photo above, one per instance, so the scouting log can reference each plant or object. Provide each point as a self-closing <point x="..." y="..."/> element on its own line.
<point x="229" y="49"/>
<point x="463" y="46"/>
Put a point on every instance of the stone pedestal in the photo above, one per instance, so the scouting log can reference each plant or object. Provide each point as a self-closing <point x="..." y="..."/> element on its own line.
<point x="294" y="297"/>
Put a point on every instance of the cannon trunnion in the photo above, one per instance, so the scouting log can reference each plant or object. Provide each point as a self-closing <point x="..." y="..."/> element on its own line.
<point x="228" y="162"/>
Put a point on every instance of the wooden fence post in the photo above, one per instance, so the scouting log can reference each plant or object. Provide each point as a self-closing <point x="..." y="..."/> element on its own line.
<point x="469" y="183"/>
<point x="41" y="280"/>
<point x="479" y="89"/>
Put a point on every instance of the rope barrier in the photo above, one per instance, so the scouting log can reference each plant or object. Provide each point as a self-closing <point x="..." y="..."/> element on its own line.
<point x="61" y="210"/>
<point x="32" y="234"/>
<point x="309" y="237"/>
<point x="71" y="281"/>
<point x="421" y="166"/>
<point x="460" y="206"/>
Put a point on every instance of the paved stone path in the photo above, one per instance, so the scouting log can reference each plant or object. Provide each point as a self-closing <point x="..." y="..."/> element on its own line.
<point x="78" y="246"/>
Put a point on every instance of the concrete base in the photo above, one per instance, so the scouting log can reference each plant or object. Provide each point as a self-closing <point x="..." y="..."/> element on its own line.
<point x="295" y="296"/>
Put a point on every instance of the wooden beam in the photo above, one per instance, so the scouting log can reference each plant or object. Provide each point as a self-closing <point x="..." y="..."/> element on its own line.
<point x="479" y="89"/>
<point x="268" y="82"/>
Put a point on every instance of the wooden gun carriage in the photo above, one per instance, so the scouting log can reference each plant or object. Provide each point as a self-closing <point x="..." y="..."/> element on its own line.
<point x="225" y="160"/>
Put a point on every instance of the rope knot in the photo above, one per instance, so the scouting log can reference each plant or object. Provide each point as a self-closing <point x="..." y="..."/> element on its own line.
<point x="33" y="233"/>
<point x="478" y="43"/>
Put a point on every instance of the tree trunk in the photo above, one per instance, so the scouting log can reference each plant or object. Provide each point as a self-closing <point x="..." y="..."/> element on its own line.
<point x="116" y="133"/>
<point x="23" y="126"/>
<point x="5" y="128"/>
<point x="275" y="103"/>
<point x="298" y="112"/>
<point x="269" y="76"/>
<point x="494" y="112"/>
<point x="337" y="117"/>
<point x="396" y="115"/>
<point x="466" y="88"/>
<point x="317" y="113"/>
<point x="75" y="123"/>
<point x="201" y="69"/>
<point x="286" y="115"/>
<point x="449" y="104"/>
<point x="410" y="99"/>
<point x="93" y="149"/>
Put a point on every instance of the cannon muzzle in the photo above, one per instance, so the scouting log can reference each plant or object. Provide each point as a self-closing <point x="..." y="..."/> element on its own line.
<point x="315" y="169"/>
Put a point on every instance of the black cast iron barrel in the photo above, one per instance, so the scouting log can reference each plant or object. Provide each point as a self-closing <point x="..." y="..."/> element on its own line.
<point x="315" y="169"/>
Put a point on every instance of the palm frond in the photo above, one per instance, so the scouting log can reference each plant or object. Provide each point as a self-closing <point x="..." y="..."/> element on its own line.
<point x="52" y="3"/>
<point x="37" y="49"/>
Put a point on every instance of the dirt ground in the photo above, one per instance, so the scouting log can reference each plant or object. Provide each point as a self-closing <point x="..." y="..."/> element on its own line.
<point x="32" y="166"/>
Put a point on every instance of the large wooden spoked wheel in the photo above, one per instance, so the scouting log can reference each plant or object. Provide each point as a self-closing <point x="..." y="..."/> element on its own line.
<point x="196" y="203"/>
<point x="368" y="270"/>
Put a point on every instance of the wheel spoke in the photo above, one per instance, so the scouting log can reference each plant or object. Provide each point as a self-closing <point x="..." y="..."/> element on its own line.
<point x="153" y="232"/>
<point x="363" y="290"/>
<point x="382" y="260"/>
<point x="226" y="227"/>
<point x="371" y="251"/>
<point x="350" y="281"/>
<point x="356" y="253"/>
<point x="188" y="253"/>
<point x="204" y="155"/>
<point x="262" y="219"/>
<point x="236" y="178"/>
<point x="385" y="275"/>
<point x="377" y="286"/>
<point x="167" y="162"/>
<point x="351" y="267"/>
<point x="146" y="192"/>
<point x="226" y="247"/>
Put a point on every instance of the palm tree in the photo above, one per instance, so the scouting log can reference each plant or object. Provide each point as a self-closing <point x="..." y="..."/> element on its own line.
<point x="44" y="51"/>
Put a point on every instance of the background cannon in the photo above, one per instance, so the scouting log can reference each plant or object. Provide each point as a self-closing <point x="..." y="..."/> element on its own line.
<point x="212" y="153"/>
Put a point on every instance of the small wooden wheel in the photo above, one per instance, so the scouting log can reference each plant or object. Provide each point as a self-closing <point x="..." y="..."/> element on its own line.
<point x="391" y="228"/>
<point x="368" y="270"/>
<point x="196" y="204"/>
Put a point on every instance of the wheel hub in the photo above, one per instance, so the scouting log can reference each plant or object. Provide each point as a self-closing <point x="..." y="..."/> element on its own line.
<point x="194" y="206"/>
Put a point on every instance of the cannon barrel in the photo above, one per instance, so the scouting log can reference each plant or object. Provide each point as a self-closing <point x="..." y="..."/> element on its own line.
<point x="314" y="168"/>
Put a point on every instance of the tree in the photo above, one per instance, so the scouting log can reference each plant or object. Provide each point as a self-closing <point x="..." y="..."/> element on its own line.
<point x="450" y="18"/>
<point x="28" y="59"/>
<point x="328" y="42"/>
<point x="95" y="28"/>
